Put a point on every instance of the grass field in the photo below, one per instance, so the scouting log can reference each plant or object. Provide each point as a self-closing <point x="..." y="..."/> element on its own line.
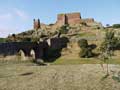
<point x="63" y="74"/>
<point x="28" y="76"/>
<point x="65" y="61"/>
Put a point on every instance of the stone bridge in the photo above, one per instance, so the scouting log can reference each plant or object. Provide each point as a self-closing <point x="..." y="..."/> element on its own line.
<point x="14" y="48"/>
<point x="40" y="51"/>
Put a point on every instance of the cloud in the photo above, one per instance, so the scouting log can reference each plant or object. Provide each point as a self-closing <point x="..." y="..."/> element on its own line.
<point x="14" y="13"/>
<point x="20" y="13"/>
<point x="11" y="21"/>
<point x="4" y="32"/>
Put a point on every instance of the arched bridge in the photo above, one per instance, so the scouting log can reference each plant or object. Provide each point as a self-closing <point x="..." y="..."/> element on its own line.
<point x="13" y="48"/>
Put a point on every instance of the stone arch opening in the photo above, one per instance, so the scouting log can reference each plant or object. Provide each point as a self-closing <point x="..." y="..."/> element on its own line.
<point x="32" y="54"/>
<point x="22" y="55"/>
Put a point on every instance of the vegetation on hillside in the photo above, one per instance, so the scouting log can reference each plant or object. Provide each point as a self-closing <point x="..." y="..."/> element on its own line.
<point x="86" y="51"/>
<point x="110" y="42"/>
<point x="2" y="40"/>
<point x="64" y="29"/>
<point x="116" y="25"/>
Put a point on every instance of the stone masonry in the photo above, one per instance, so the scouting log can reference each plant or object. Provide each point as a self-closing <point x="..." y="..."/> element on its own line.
<point x="65" y="18"/>
<point x="36" y="24"/>
<point x="69" y="18"/>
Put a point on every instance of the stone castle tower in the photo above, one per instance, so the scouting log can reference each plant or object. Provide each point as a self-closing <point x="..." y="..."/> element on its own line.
<point x="36" y="24"/>
<point x="69" y="18"/>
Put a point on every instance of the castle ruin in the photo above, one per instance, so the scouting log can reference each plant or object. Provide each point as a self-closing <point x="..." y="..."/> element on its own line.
<point x="36" y="24"/>
<point x="67" y="18"/>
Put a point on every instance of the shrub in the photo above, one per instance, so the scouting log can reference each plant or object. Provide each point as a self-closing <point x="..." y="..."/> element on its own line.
<point x="64" y="29"/>
<point x="86" y="51"/>
<point x="83" y="43"/>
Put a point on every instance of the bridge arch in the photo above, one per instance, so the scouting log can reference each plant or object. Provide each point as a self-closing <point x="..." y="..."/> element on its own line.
<point x="22" y="54"/>
<point x="32" y="54"/>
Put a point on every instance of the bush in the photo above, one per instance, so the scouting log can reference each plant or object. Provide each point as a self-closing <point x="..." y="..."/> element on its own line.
<point x="86" y="51"/>
<point x="83" y="43"/>
<point x="64" y="29"/>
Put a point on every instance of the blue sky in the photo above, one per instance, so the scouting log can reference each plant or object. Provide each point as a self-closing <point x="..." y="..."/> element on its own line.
<point x="17" y="15"/>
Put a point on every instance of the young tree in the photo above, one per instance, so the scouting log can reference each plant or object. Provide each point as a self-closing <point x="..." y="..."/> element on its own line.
<point x="107" y="47"/>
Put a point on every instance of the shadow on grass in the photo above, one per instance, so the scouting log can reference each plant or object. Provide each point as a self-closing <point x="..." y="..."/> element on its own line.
<point x="105" y="77"/>
<point x="116" y="78"/>
<point x="26" y="74"/>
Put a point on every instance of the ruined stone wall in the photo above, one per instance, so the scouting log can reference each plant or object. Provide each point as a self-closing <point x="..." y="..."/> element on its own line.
<point x="69" y="18"/>
<point x="36" y="24"/>
<point x="89" y="20"/>
<point x="61" y="19"/>
<point x="73" y="18"/>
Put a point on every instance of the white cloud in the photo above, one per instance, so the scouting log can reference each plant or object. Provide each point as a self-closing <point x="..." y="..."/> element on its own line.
<point x="4" y="32"/>
<point x="14" y="14"/>
<point x="20" y="13"/>
<point x="11" y="20"/>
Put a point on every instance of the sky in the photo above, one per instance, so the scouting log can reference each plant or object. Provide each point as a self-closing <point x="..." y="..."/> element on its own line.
<point x="17" y="15"/>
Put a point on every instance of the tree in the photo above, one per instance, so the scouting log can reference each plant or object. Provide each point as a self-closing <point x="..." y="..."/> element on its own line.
<point x="110" y="42"/>
<point x="107" y="25"/>
<point x="116" y="25"/>
<point x="107" y="47"/>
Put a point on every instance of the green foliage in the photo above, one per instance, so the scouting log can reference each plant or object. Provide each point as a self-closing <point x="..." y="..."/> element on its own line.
<point x="26" y="40"/>
<point x="116" y="26"/>
<point x="2" y="40"/>
<point x="116" y="78"/>
<point x="110" y="42"/>
<point x="8" y="40"/>
<point x="86" y="51"/>
<point x="107" y="47"/>
<point x="83" y="43"/>
<point x="35" y="39"/>
<point x="64" y="29"/>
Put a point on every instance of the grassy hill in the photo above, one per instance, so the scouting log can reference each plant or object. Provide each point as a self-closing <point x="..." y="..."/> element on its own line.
<point x="2" y="40"/>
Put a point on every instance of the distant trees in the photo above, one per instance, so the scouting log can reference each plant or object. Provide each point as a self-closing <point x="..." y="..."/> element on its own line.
<point x="2" y="40"/>
<point x="107" y="25"/>
<point x="113" y="26"/>
<point x="116" y="25"/>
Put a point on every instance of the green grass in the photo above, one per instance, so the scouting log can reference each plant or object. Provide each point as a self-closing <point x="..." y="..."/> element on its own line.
<point x="64" y="61"/>
<point x="86" y="34"/>
<point x="83" y="61"/>
<point x="2" y="39"/>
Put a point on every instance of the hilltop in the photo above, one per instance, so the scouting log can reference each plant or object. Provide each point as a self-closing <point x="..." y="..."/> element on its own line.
<point x="73" y="22"/>
<point x="69" y="25"/>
